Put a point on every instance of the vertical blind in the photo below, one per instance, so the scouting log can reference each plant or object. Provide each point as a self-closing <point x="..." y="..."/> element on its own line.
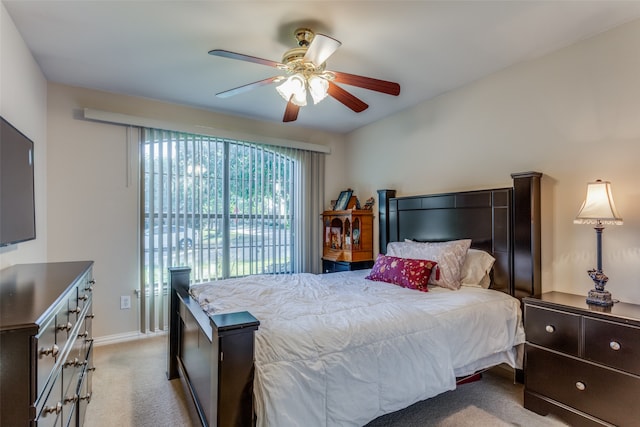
<point x="223" y="207"/>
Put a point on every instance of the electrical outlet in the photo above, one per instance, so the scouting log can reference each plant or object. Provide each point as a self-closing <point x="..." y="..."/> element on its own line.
<point x="125" y="302"/>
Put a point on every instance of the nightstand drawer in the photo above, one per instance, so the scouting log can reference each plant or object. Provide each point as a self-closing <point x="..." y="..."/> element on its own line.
<point x="612" y="344"/>
<point x="600" y="392"/>
<point x="552" y="329"/>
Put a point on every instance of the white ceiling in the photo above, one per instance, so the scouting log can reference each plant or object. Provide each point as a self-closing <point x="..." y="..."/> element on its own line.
<point x="158" y="49"/>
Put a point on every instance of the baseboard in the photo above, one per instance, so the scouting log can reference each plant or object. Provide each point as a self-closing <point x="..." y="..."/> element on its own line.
<point x="125" y="337"/>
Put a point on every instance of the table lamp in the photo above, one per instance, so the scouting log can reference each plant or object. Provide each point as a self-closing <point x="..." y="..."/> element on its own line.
<point x="598" y="209"/>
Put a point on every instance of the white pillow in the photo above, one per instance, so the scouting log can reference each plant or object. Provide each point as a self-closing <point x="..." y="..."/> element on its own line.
<point x="476" y="268"/>
<point x="450" y="257"/>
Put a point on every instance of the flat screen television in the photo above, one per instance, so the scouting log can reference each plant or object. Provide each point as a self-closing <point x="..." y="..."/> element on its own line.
<point x="17" y="199"/>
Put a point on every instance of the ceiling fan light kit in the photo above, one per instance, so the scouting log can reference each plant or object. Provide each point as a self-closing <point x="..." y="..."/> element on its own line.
<point x="305" y="69"/>
<point x="293" y="89"/>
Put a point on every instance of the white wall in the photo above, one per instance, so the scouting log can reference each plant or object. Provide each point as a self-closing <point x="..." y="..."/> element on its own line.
<point x="23" y="103"/>
<point x="93" y="208"/>
<point x="573" y="115"/>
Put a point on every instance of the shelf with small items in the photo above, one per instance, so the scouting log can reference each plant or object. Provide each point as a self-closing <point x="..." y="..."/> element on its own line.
<point x="348" y="233"/>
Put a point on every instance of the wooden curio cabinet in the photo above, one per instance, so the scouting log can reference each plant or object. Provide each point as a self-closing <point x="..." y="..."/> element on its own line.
<point x="347" y="236"/>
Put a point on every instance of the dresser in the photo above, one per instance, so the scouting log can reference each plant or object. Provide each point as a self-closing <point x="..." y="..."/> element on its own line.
<point x="582" y="363"/>
<point x="46" y="346"/>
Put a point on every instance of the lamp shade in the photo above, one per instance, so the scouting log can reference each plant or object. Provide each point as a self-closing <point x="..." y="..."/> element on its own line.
<point x="598" y="206"/>
<point x="294" y="86"/>
<point x="318" y="88"/>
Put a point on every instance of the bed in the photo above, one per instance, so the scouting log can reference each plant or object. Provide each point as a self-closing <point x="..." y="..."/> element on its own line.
<point x="341" y="349"/>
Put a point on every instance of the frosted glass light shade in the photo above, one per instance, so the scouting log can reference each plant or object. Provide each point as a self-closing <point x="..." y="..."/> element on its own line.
<point x="598" y="206"/>
<point x="296" y="86"/>
<point x="318" y="88"/>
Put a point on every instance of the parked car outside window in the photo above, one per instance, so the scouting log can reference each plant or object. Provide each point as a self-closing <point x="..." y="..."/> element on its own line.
<point x="170" y="237"/>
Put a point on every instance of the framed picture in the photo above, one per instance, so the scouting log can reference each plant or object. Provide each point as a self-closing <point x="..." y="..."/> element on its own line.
<point x="343" y="200"/>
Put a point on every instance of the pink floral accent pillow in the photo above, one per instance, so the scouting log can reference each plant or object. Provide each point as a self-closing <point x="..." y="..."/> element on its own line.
<point x="405" y="272"/>
<point x="450" y="257"/>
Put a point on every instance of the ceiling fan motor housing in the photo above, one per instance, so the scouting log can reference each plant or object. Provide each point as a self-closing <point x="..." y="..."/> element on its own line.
<point x="293" y="55"/>
<point x="304" y="36"/>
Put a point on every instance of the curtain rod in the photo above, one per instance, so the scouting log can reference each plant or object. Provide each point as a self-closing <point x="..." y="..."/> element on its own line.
<point x="128" y="120"/>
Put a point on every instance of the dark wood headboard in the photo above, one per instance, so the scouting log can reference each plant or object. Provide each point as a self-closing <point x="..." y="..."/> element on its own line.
<point x="502" y="221"/>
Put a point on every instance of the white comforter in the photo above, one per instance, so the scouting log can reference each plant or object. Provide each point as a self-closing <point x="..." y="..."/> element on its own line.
<point x="339" y="350"/>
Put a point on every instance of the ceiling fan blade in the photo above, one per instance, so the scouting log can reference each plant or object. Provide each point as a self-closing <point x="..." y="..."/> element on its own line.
<point x="321" y="48"/>
<point x="247" y="87"/>
<point x="248" y="58"/>
<point x="346" y="98"/>
<point x="390" y="88"/>
<point x="291" y="112"/>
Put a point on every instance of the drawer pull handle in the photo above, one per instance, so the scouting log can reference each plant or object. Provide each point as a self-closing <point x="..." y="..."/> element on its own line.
<point x="53" y="351"/>
<point x="86" y="397"/>
<point x="90" y="316"/>
<point x="71" y="399"/>
<point x="580" y="385"/>
<point x="550" y="328"/>
<point x="52" y="409"/>
<point x="83" y="297"/>
<point x="84" y="334"/>
<point x="73" y="362"/>
<point x="614" y="345"/>
<point x="75" y="310"/>
<point x="66" y="327"/>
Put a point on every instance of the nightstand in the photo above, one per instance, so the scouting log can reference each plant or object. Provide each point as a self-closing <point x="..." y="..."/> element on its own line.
<point x="582" y="363"/>
<point x="334" y="266"/>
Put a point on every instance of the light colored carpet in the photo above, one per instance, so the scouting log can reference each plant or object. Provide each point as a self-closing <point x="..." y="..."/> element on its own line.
<point x="472" y="416"/>
<point x="130" y="388"/>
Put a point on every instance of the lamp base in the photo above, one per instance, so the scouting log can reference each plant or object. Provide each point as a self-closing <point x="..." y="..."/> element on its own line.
<point x="599" y="296"/>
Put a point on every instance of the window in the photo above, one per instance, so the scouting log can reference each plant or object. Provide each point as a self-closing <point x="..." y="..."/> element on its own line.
<point x="224" y="208"/>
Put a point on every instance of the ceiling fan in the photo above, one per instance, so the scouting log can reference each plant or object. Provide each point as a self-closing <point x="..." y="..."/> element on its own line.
<point x="305" y="73"/>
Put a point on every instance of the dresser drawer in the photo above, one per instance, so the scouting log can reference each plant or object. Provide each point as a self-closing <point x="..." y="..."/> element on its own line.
<point x="612" y="344"/>
<point x="600" y="392"/>
<point x="66" y="319"/>
<point x="85" y="290"/>
<point x="46" y="351"/>
<point x="71" y="369"/>
<point x="85" y="386"/>
<point x="71" y="379"/>
<point x="51" y="410"/>
<point x="552" y="329"/>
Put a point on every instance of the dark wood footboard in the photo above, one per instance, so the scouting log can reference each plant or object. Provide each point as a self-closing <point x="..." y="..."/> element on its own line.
<point x="211" y="353"/>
